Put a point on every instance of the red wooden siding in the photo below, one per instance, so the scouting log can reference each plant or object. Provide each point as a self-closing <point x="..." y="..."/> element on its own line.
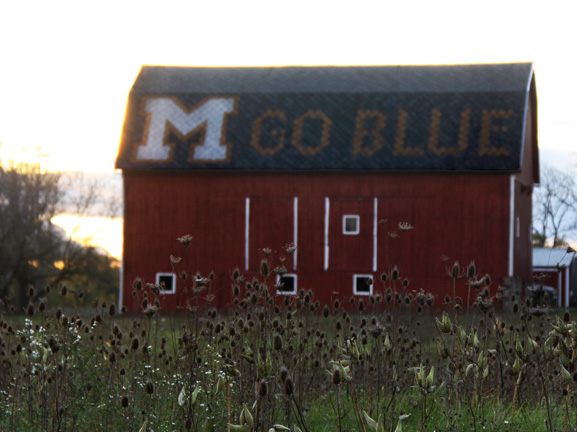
<point x="271" y="226"/>
<point x="352" y="252"/>
<point x="463" y="217"/>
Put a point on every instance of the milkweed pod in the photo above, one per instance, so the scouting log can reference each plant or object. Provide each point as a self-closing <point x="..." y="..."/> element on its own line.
<point x="518" y="347"/>
<point x="240" y="428"/>
<point x="388" y="344"/>
<point x="194" y="395"/>
<point x="219" y="385"/>
<point x="516" y="366"/>
<point x="431" y="377"/>
<point x="248" y="417"/>
<point x="370" y="422"/>
<point x="380" y="424"/>
<point x="565" y="373"/>
<point x="182" y="396"/>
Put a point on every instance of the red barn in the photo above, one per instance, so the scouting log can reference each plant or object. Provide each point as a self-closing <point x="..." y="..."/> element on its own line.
<point x="332" y="160"/>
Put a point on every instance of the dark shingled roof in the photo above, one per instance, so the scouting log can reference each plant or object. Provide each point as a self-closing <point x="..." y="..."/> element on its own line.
<point x="463" y="117"/>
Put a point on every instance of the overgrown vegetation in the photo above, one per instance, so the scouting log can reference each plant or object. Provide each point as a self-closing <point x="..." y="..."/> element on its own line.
<point x="386" y="362"/>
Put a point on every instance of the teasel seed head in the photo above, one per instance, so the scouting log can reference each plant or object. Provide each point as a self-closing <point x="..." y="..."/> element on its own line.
<point x="455" y="270"/>
<point x="336" y="376"/>
<point x="395" y="273"/>
<point x="471" y="270"/>
<point x="137" y="285"/>
<point x="264" y="268"/>
<point x="283" y="374"/>
<point x="277" y="342"/>
<point x="149" y="388"/>
<point x="262" y="388"/>
<point x="124" y="402"/>
<point x="288" y="386"/>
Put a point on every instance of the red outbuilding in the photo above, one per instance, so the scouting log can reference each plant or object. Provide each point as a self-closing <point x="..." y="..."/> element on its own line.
<point x="362" y="169"/>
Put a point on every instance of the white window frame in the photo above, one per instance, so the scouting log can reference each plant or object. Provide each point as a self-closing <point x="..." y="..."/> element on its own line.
<point x="294" y="291"/>
<point x="350" y="216"/>
<point x="173" y="288"/>
<point x="364" y="276"/>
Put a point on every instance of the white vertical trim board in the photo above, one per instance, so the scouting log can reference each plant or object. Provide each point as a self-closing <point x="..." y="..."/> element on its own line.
<point x="295" y="229"/>
<point x="246" y="230"/>
<point x="559" y="289"/>
<point x="511" y="224"/>
<point x="566" y="286"/>
<point x="121" y="275"/>
<point x="375" y="224"/>
<point x="327" y="209"/>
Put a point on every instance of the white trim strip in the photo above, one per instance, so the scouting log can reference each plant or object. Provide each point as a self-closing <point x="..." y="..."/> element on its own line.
<point x="566" y="286"/>
<point x="511" y="224"/>
<point x="121" y="275"/>
<point x="375" y="224"/>
<point x="327" y="209"/>
<point x="295" y="229"/>
<point x="246" y="230"/>
<point x="559" y="288"/>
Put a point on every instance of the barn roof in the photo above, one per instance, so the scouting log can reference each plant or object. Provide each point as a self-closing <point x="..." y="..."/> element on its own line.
<point x="463" y="117"/>
<point x="552" y="257"/>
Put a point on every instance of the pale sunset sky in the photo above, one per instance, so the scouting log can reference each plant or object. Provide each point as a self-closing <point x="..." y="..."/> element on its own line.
<point x="66" y="67"/>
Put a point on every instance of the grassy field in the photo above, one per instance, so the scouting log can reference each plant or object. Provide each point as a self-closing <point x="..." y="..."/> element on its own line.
<point x="290" y="363"/>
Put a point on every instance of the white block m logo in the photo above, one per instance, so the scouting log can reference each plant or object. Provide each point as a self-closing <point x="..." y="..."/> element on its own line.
<point x="209" y="116"/>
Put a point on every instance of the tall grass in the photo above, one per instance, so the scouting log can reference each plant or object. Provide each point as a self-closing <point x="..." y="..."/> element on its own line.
<point x="387" y="363"/>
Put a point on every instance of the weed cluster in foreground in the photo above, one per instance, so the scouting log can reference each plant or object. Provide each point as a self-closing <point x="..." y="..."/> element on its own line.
<point x="288" y="363"/>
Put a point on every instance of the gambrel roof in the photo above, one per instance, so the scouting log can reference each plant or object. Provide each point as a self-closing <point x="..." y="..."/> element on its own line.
<point x="420" y="118"/>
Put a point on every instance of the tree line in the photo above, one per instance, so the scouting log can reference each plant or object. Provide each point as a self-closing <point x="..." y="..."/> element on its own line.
<point x="36" y="256"/>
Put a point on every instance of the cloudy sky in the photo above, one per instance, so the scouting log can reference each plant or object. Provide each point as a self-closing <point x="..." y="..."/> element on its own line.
<point x="66" y="67"/>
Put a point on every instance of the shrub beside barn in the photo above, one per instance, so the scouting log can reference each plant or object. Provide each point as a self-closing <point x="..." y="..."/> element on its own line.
<point x="337" y="161"/>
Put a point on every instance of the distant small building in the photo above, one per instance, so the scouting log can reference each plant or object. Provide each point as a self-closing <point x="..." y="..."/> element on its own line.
<point x="556" y="268"/>
<point x="336" y="161"/>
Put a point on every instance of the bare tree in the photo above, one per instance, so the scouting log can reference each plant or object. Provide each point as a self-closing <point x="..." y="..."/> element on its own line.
<point x="554" y="208"/>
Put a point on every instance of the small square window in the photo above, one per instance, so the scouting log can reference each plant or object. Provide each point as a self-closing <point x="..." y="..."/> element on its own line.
<point x="287" y="284"/>
<point x="167" y="282"/>
<point x="363" y="284"/>
<point x="351" y="224"/>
